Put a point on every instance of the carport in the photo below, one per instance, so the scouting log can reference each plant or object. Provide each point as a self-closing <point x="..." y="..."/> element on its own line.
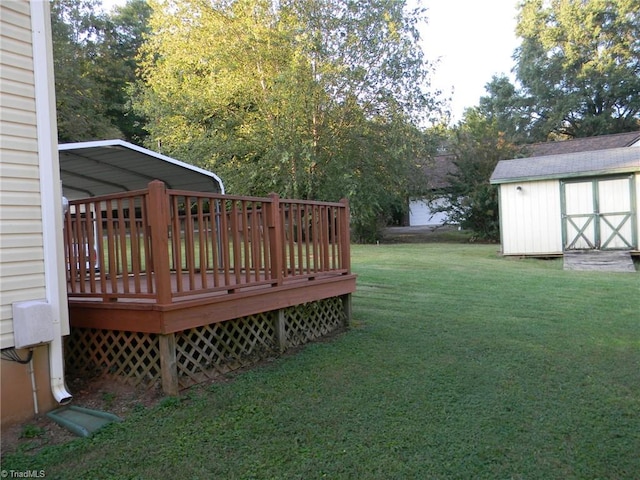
<point x="90" y="169"/>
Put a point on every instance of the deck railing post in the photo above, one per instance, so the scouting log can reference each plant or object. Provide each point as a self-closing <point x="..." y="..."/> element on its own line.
<point x="276" y="236"/>
<point x="159" y="224"/>
<point x="345" y="236"/>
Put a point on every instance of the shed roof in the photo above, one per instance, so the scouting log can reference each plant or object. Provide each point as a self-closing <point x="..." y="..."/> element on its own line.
<point x="568" y="165"/>
<point x="89" y="169"/>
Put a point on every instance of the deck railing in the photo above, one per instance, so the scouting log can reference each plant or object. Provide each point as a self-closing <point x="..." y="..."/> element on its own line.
<point x="165" y="244"/>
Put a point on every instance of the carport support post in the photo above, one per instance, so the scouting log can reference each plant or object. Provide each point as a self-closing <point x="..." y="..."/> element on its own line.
<point x="168" y="364"/>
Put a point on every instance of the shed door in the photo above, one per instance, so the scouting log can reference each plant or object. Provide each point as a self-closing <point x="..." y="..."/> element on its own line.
<point x="599" y="214"/>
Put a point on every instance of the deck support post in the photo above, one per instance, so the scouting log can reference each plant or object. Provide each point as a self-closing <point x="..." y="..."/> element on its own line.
<point x="279" y="330"/>
<point x="346" y="307"/>
<point x="168" y="364"/>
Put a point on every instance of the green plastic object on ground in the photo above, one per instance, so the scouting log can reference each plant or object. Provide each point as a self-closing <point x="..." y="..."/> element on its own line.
<point x="82" y="421"/>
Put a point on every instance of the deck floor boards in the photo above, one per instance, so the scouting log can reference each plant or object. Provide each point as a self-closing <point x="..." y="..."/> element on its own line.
<point x="118" y="312"/>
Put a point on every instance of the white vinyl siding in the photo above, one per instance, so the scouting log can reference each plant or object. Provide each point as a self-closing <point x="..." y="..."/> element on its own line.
<point x="21" y="228"/>
<point x="530" y="218"/>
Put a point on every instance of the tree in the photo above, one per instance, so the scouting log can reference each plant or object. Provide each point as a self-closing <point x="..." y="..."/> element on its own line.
<point x="579" y="63"/>
<point x="367" y="52"/>
<point x="230" y="100"/>
<point x="578" y="75"/>
<point x="94" y="65"/>
<point x="116" y="65"/>
<point x="315" y="99"/>
<point x="81" y="112"/>
<point x="511" y="111"/>
<point x="471" y="201"/>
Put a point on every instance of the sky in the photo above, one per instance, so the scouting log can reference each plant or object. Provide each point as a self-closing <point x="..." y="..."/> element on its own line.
<point x="473" y="40"/>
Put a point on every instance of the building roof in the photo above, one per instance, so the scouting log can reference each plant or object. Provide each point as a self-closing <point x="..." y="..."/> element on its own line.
<point x="568" y="165"/>
<point x="601" y="142"/>
<point x="437" y="170"/>
<point x="89" y="169"/>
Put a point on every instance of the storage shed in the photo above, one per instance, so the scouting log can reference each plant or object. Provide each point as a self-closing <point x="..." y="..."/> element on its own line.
<point x="573" y="201"/>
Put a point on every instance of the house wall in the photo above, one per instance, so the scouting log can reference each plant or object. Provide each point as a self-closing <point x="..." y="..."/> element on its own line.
<point x="530" y="218"/>
<point x="31" y="267"/>
<point x="17" y="398"/>
<point x="21" y="239"/>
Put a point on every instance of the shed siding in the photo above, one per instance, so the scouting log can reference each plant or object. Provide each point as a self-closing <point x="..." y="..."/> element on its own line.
<point x="531" y="218"/>
<point x="579" y="205"/>
<point x="21" y="230"/>
<point x="614" y="197"/>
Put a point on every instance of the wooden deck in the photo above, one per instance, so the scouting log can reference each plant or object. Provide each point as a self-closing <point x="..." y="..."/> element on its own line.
<point x="170" y="283"/>
<point x="160" y="260"/>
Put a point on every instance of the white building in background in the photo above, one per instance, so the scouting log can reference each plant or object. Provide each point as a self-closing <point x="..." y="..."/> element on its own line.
<point x="422" y="210"/>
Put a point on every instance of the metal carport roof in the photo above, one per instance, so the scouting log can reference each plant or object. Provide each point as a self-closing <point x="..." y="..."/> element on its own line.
<point x="89" y="169"/>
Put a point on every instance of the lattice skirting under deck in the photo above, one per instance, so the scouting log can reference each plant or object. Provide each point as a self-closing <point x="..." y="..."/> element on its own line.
<point x="204" y="352"/>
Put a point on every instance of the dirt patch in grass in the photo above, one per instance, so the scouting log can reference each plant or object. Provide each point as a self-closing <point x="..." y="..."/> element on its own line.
<point x="97" y="393"/>
<point x="116" y="397"/>
<point x="425" y="234"/>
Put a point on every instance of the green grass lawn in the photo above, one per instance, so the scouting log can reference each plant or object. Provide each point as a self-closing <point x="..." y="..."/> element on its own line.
<point x="459" y="364"/>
